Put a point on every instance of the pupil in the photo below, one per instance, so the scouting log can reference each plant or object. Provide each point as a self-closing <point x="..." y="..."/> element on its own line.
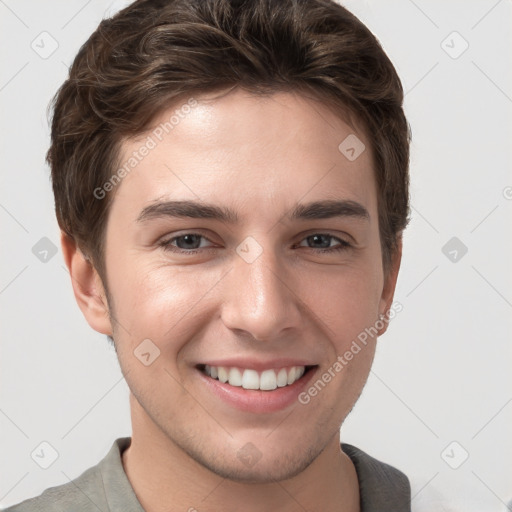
<point x="188" y="241"/>
<point x="320" y="241"/>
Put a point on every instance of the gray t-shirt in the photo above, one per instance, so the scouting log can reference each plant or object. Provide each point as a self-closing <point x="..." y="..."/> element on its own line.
<point x="106" y="488"/>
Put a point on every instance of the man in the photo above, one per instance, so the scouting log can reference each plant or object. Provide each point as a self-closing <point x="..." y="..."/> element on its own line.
<point x="231" y="181"/>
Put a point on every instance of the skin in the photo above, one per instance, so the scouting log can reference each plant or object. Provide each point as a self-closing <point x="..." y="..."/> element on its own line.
<point x="260" y="157"/>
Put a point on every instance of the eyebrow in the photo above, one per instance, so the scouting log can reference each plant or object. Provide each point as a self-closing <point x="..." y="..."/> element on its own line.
<point x="191" y="209"/>
<point x="330" y="209"/>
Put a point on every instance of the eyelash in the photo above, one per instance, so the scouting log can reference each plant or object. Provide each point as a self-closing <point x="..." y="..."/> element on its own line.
<point x="167" y="244"/>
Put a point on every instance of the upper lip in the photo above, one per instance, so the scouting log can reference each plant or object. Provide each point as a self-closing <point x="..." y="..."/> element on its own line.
<point x="257" y="364"/>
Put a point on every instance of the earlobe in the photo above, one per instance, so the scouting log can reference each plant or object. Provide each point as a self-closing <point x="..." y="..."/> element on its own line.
<point x="388" y="290"/>
<point x="87" y="287"/>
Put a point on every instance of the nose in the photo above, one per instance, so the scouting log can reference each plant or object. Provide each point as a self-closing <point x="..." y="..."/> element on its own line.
<point x="259" y="298"/>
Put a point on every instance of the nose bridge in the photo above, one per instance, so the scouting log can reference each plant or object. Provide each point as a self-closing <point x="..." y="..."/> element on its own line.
<point x="259" y="301"/>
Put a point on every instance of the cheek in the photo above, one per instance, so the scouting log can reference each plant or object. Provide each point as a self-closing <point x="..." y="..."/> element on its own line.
<point x="345" y="301"/>
<point x="158" y="302"/>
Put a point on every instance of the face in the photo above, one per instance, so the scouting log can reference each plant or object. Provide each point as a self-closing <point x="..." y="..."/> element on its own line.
<point x="244" y="246"/>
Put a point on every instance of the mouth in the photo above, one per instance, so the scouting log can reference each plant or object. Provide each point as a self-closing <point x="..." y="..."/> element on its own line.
<point x="254" y="385"/>
<point x="252" y="380"/>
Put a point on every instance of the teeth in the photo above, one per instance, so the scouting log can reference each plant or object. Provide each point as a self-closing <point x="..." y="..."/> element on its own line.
<point x="235" y="377"/>
<point x="268" y="380"/>
<point x="223" y="374"/>
<point x="282" y="378"/>
<point x="250" y="379"/>
<point x="291" y="375"/>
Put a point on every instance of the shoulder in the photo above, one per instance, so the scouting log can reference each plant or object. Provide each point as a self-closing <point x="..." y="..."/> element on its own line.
<point x="382" y="487"/>
<point x="85" y="493"/>
<point x="90" y="492"/>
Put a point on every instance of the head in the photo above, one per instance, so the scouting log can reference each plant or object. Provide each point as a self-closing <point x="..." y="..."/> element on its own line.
<point x="231" y="181"/>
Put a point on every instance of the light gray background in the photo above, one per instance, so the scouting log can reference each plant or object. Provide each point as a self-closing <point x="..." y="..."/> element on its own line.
<point x="442" y="372"/>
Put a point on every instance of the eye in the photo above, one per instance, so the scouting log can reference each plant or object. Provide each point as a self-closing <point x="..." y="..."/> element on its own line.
<point x="188" y="242"/>
<point x="324" y="242"/>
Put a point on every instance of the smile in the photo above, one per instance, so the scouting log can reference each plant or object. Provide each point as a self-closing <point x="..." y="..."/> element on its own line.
<point x="250" y="379"/>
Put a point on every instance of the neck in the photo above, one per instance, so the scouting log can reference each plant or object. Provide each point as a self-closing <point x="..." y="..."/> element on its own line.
<point x="165" y="479"/>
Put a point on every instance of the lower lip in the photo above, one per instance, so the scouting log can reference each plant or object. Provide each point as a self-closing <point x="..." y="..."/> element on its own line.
<point x="257" y="401"/>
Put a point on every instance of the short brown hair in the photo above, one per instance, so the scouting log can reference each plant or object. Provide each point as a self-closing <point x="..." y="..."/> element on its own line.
<point x="155" y="52"/>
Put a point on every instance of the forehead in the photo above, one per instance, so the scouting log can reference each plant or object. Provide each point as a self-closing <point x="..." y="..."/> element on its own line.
<point x="248" y="150"/>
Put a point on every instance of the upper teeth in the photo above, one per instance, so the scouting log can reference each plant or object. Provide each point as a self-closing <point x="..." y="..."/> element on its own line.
<point x="267" y="380"/>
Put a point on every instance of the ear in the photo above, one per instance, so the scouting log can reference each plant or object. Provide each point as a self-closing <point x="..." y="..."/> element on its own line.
<point x="388" y="290"/>
<point x="87" y="287"/>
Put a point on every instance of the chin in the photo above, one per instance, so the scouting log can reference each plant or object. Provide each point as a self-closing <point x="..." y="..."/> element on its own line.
<point x="279" y="468"/>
